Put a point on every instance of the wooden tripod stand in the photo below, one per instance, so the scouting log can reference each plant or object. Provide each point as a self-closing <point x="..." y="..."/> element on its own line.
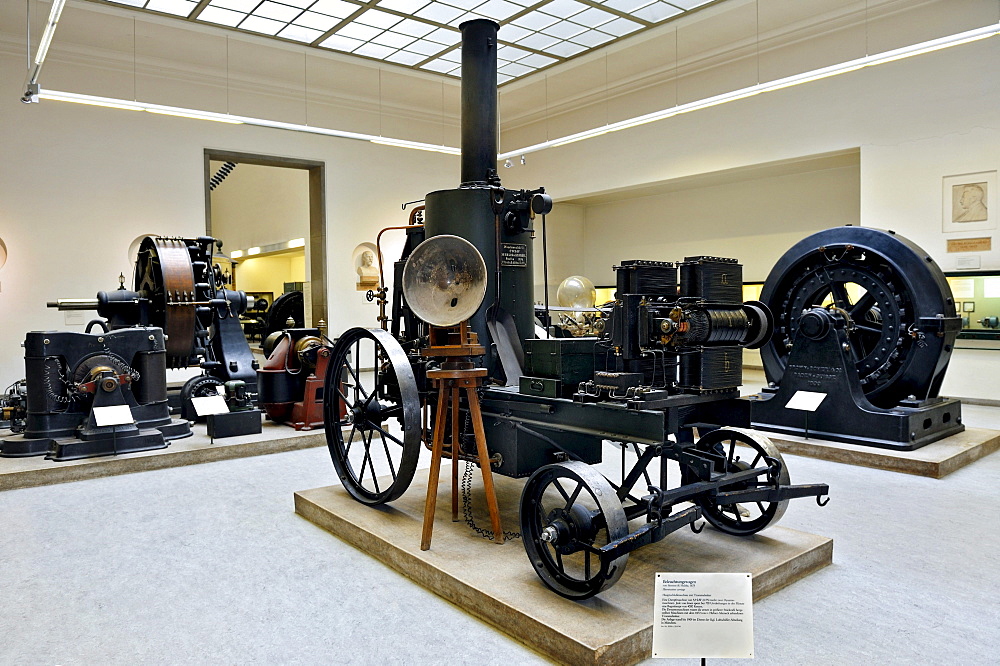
<point x="458" y="373"/>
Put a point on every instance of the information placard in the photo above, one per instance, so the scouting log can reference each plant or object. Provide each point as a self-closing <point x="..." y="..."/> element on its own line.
<point x="805" y="401"/>
<point x="514" y="254"/>
<point x="209" y="404"/>
<point x="706" y="615"/>
<point x="113" y="415"/>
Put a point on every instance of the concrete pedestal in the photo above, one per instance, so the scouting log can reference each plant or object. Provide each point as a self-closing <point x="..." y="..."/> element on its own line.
<point x="199" y="448"/>
<point x="934" y="460"/>
<point x="496" y="583"/>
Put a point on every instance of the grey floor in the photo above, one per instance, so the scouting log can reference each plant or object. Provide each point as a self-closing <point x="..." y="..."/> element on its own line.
<point x="209" y="564"/>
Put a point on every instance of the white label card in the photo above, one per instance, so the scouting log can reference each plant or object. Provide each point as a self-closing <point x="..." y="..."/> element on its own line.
<point x="113" y="415"/>
<point x="703" y="615"/>
<point x="210" y="404"/>
<point x="806" y="401"/>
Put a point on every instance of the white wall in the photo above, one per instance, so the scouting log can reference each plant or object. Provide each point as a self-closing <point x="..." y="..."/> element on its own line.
<point x="79" y="183"/>
<point x="752" y="220"/>
<point x="86" y="181"/>
<point x="903" y="188"/>
<point x="565" y="230"/>
<point x="260" y="205"/>
<point x="903" y="191"/>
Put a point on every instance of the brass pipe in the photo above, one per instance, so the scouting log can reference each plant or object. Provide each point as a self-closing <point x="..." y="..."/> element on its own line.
<point x="382" y="289"/>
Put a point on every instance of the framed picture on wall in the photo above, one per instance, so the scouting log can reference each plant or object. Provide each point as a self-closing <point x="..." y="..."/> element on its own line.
<point x="969" y="202"/>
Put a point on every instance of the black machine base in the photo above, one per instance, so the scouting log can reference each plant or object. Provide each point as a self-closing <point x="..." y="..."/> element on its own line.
<point x="233" y="424"/>
<point x="903" y="428"/>
<point x="106" y="444"/>
<point x="20" y="447"/>
<point x="820" y="362"/>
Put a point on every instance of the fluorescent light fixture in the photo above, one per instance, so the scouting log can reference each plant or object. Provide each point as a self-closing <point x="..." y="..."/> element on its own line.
<point x="50" y="30"/>
<point x="253" y="250"/>
<point x="31" y="82"/>
<point x="198" y="116"/>
<point x="92" y="102"/>
<point x="778" y="84"/>
<point x="402" y="143"/>
<point x="236" y="254"/>
<point x="236" y="120"/>
<point x="297" y="242"/>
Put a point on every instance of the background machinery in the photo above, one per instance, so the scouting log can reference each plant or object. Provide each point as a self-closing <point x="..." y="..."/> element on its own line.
<point x="865" y="319"/>
<point x="70" y="375"/>
<point x="177" y="289"/>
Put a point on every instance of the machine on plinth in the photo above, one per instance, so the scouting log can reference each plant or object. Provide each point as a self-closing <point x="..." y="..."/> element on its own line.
<point x="75" y="379"/>
<point x="665" y="370"/>
<point x="865" y="322"/>
<point x="179" y="289"/>
<point x="444" y="281"/>
<point x="291" y="379"/>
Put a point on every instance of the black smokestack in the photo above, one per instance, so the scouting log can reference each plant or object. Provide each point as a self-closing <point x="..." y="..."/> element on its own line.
<point x="479" y="100"/>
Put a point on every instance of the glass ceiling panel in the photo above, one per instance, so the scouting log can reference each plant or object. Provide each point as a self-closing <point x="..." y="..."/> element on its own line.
<point x="423" y="34"/>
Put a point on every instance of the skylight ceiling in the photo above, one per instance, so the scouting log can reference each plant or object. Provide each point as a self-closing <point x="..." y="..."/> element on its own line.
<point x="423" y="34"/>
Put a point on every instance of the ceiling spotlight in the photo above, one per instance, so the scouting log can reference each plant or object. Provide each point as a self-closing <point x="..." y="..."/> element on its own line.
<point x="507" y="164"/>
<point x="523" y="161"/>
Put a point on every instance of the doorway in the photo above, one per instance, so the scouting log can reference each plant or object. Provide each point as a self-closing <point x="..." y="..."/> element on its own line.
<point x="270" y="214"/>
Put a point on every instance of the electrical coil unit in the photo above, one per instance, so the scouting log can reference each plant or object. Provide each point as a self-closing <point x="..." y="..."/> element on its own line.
<point x="718" y="326"/>
<point x="711" y="370"/>
<point x="655" y="278"/>
<point x="712" y="279"/>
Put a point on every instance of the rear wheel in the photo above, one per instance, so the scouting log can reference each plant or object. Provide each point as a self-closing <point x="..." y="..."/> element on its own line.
<point x="742" y="450"/>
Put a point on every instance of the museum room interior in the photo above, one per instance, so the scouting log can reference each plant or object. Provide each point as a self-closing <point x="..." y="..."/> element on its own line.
<point x="291" y="155"/>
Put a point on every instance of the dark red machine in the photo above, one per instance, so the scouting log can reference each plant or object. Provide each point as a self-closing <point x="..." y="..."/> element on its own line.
<point x="290" y="383"/>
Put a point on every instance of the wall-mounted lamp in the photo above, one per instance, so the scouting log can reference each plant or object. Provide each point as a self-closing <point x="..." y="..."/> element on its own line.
<point x="236" y="254"/>
<point x="297" y="242"/>
<point x="252" y="251"/>
<point x="31" y="83"/>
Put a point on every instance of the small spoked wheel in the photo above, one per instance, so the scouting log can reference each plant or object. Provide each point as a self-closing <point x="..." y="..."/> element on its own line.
<point x="372" y="413"/>
<point x="566" y="509"/>
<point x="742" y="450"/>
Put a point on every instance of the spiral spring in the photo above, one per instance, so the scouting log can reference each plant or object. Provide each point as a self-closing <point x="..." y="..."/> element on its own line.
<point x="71" y="388"/>
<point x="63" y="398"/>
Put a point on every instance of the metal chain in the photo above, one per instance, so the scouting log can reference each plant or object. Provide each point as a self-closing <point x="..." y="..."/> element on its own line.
<point x="467" y="492"/>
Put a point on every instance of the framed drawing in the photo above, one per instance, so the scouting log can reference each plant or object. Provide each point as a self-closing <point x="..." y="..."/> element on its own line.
<point x="969" y="202"/>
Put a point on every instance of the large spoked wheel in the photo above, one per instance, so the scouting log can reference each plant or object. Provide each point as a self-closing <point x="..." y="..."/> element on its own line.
<point x="372" y="414"/>
<point x="566" y="510"/>
<point x="742" y="450"/>
<point x="886" y="286"/>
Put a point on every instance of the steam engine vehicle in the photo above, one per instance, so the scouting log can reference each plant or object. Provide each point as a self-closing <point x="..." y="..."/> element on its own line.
<point x="660" y="383"/>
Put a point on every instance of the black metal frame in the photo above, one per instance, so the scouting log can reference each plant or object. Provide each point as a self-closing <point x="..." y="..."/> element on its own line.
<point x="545" y="437"/>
